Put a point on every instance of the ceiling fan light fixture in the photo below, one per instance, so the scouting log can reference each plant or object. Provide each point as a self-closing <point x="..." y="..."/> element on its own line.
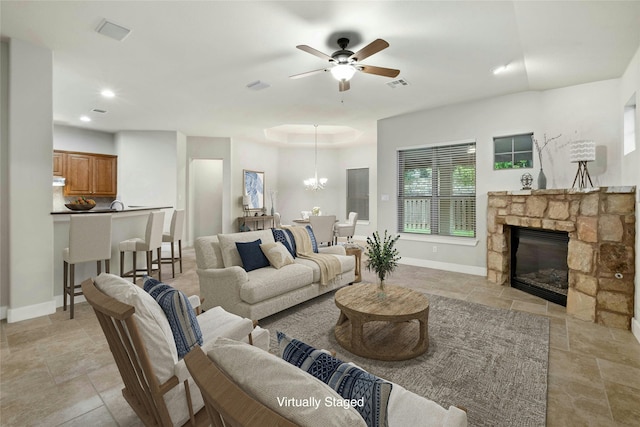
<point x="343" y="72"/>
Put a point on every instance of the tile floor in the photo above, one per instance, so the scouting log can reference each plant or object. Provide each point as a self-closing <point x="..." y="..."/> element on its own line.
<point x="55" y="371"/>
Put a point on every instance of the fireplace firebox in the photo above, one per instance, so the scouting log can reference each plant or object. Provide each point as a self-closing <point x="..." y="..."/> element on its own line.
<point x="539" y="263"/>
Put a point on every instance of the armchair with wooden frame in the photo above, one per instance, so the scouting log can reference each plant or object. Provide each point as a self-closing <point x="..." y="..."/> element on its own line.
<point x="157" y="385"/>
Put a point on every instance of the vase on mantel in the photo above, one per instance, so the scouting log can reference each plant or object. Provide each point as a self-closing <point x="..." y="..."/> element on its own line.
<point x="542" y="180"/>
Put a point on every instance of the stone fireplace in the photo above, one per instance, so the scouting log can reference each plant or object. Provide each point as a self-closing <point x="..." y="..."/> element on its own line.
<point x="601" y="259"/>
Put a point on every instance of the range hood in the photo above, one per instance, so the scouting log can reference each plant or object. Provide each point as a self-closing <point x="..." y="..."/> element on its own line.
<point x="58" y="181"/>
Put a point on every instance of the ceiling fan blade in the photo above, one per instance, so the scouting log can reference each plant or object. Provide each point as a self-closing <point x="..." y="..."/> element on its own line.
<point x="380" y="71"/>
<point x="373" y="47"/>
<point x="308" y="73"/>
<point x="315" y="52"/>
<point x="344" y="85"/>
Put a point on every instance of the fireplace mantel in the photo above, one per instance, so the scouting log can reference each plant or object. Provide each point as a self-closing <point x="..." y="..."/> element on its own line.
<point x="601" y="258"/>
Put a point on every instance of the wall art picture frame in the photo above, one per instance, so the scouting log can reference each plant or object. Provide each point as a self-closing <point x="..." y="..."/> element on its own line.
<point x="253" y="184"/>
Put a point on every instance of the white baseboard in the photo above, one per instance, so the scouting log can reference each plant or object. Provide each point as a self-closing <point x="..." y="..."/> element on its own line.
<point x="446" y="266"/>
<point x="36" y="310"/>
<point x="31" y="311"/>
<point x="635" y="328"/>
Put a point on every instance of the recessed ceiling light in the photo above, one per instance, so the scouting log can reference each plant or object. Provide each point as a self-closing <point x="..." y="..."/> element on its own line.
<point x="85" y="118"/>
<point x="501" y="69"/>
<point x="107" y="93"/>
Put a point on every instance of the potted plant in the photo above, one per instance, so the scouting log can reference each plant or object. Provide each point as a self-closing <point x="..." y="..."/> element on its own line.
<point x="382" y="257"/>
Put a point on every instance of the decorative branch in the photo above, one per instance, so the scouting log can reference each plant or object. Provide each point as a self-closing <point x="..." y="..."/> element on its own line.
<point x="541" y="148"/>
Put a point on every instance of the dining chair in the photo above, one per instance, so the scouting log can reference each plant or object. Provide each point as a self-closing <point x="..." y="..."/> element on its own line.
<point x="347" y="229"/>
<point x="322" y="226"/>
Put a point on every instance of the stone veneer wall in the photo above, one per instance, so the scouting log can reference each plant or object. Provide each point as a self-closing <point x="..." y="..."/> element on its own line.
<point x="601" y="227"/>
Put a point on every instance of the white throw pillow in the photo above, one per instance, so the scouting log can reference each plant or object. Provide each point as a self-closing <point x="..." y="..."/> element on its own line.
<point x="277" y="254"/>
<point x="284" y="388"/>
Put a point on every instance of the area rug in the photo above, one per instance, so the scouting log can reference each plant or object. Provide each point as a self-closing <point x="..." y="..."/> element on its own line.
<point x="491" y="361"/>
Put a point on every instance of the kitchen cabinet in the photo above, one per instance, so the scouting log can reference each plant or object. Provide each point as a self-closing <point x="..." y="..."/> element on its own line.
<point x="58" y="163"/>
<point x="89" y="174"/>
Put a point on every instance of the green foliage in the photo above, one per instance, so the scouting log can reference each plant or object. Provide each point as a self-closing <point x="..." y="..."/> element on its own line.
<point x="511" y="165"/>
<point x="382" y="257"/>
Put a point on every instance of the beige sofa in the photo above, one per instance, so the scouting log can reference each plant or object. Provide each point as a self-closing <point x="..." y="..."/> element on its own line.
<point x="260" y="293"/>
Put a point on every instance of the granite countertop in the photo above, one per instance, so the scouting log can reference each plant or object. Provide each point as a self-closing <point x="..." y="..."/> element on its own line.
<point x="99" y="209"/>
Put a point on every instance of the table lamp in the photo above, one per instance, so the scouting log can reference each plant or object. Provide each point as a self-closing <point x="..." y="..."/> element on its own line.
<point x="582" y="152"/>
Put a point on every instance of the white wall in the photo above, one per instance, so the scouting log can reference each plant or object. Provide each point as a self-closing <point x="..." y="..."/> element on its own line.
<point x="297" y="164"/>
<point x="630" y="84"/>
<point x="30" y="143"/>
<point x="4" y="178"/>
<point x="148" y="168"/>
<point x="70" y="138"/>
<point x="590" y="109"/>
<point x="206" y="185"/>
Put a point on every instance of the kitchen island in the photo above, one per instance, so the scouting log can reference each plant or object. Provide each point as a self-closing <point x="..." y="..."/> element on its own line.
<point x="126" y="224"/>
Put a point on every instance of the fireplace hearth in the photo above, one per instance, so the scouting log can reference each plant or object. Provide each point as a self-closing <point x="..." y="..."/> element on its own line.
<point x="599" y="267"/>
<point x="539" y="263"/>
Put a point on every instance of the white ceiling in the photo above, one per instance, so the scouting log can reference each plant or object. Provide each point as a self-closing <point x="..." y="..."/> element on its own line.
<point x="185" y="66"/>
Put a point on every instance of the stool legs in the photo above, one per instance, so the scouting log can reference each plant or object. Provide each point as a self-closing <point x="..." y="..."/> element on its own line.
<point x="69" y="286"/>
<point x="179" y="253"/>
<point x="134" y="270"/>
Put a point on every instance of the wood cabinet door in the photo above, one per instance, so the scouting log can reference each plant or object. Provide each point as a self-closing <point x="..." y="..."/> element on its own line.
<point x="105" y="171"/>
<point x="58" y="164"/>
<point x="78" y="175"/>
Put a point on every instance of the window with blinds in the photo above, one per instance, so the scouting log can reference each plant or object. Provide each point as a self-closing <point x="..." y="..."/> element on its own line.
<point x="437" y="190"/>
<point x="358" y="192"/>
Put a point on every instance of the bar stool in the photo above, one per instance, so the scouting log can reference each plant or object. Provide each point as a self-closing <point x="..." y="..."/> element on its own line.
<point x="152" y="241"/>
<point x="175" y="235"/>
<point x="89" y="240"/>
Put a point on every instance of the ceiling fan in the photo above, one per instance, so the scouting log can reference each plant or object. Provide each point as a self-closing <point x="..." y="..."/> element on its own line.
<point x="345" y="63"/>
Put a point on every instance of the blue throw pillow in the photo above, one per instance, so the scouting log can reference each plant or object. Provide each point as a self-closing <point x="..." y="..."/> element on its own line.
<point x="346" y="379"/>
<point x="251" y="255"/>
<point x="181" y="316"/>
<point x="286" y="238"/>
<point x="314" y="243"/>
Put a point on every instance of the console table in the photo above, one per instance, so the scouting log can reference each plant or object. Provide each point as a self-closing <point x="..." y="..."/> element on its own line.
<point x="255" y="222"/>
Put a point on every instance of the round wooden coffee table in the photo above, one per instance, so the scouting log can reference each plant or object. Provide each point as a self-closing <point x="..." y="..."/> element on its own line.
<point x="392" y="326"/>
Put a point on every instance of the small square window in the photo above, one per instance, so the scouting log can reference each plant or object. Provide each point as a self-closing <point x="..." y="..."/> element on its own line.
<point x="513" y="152"/>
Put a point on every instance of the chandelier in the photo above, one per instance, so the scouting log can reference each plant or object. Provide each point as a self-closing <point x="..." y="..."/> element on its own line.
<point x="314" y="183"/>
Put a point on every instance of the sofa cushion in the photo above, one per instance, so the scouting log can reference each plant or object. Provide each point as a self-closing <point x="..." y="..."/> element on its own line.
<point x="251" y="255"/>
<point x="151" y="322"/>
<point x="286" y="237"/>
<point x="277" y="254"/>
<point x="351" y="382"/>
<point x="228" y="250"/>
<point x="179" y="313"/>
<point x="278" y="385"/>
<point x="314" y="243"/>
<point x="347" y="263"/>
<point x="266" y="283"/>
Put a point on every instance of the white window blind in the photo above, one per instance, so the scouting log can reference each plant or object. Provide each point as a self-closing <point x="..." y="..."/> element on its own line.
<point x="358" y="192"/>
<point x="437" y="190"/>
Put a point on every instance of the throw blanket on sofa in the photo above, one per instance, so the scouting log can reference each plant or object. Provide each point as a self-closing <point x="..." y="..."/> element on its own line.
<point x="329" y="265"/>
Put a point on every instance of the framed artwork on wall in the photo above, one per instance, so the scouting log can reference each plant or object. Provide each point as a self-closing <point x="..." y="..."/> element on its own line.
<point x="253" y="182"/>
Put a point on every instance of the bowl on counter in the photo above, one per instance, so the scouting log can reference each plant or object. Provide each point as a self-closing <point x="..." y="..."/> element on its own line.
<point x="79" y="207"/>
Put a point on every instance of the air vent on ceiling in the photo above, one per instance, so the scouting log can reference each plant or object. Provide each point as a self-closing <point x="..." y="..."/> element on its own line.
<point x="114" y="31"/>
<point x="258" y="85"/>
<point x="98" y="110"/>
<point x="397" y="83"/>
